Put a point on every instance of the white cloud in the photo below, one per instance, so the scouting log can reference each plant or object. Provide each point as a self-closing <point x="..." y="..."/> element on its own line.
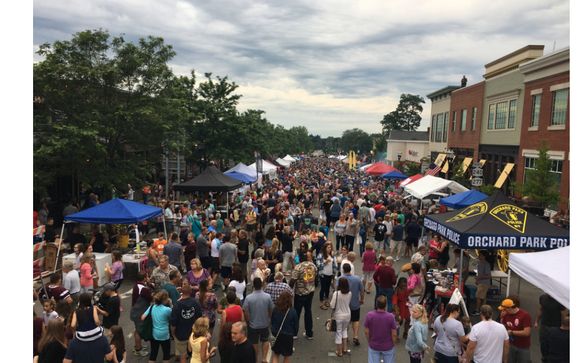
<point x="328" y="65"/>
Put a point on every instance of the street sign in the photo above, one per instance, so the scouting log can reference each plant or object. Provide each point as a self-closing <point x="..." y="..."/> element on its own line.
<point x="477" y="182"/>
<point x="476" y="164"/>
<point x="477" y="172"/>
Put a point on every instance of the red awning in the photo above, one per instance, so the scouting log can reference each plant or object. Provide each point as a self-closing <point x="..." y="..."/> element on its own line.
<point x="379" y="168"/>
<point x="410" y="179"/>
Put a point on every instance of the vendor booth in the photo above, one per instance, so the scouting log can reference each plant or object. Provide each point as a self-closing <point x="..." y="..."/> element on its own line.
<point x="496" y="223"/>
<point x="378" y="169"/>
<point x="114" y="211"/>
<point x="394" y="174"/>
<point x="462" y="200"/>
<point x="429" y="184"/>
<point x="283" y="163"/>
<point x="410" y="180"/>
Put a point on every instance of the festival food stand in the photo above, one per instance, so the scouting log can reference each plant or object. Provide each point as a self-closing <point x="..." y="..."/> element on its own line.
<point x="114" y="211"/>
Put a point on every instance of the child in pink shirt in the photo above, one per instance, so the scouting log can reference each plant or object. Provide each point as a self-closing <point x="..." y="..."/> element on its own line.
<point x="86" y="274"/>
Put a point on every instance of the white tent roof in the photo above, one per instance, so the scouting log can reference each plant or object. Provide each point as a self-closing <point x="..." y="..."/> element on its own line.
<point x="547" y="270"/>
<point x="284" y="163"/>
<point x="267" y="167"/>
<point x="341" y="157"/>
<point x="430" y="184"/>
<point x="289" y="158"/>
<point x="364" y="167"/>
<point x="244" y="169"/>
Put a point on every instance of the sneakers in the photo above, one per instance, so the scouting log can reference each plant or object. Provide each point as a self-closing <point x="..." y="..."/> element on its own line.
<point x="306" y="336"/>
<point x="141" y="353"/>
<point x="397" y="259"/>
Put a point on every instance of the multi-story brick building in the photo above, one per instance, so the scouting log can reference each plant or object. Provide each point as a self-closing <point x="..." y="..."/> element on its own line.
<point x="466" y="110"/>
<point x="546" y="117"/>
<point x="502" y="111"/>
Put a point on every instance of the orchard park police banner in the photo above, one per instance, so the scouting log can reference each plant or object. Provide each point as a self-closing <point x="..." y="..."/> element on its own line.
<point x="497" y="223"/>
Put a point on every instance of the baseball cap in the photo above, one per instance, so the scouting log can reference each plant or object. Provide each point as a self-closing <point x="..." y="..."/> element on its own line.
<point x="506" y="304"/>
<point x="109" y="286"/>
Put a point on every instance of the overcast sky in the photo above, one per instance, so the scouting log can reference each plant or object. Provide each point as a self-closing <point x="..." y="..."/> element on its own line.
<point x="326" y="65"/>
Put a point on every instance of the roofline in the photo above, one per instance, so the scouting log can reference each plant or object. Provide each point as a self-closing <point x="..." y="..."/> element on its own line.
<point x="442" y="91"/>
<point x="521" y="50"/>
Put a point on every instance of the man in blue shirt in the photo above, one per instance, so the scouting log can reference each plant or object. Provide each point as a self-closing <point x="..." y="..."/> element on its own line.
<point x="258" y="308"/>
<point x="358" y="297"/>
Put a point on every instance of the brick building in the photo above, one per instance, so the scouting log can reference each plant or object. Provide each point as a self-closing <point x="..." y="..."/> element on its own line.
<point x="466" y="109"/>
<point x="546" y="117"/>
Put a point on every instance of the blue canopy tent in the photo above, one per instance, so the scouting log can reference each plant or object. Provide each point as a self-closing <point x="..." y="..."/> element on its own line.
<point x="114" y="211"/>
<point x="394" y="174"/>
<point x="464" y="199"/>
<point x="244" y="178"/>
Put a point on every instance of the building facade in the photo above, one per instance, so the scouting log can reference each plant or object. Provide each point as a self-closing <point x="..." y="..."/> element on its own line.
<point x="466" y="115"/>
<point x="439" y="130"/>
<point x="546" y="118"/>
<point x="407" y="146"/>
<point x="502" y="112"/>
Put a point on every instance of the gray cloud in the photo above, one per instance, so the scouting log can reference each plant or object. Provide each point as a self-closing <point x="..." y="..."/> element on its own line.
<point x="327" y="65"/>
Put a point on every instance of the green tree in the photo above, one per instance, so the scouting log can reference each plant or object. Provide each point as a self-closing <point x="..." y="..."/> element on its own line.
<point x="540" y="184"/>
<point x="357" y="140"/>
<point x="100" y="112"/>
<point x="407" y="115"/>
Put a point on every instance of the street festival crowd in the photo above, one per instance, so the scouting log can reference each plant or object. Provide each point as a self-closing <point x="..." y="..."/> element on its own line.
<point x="252" y="276"/>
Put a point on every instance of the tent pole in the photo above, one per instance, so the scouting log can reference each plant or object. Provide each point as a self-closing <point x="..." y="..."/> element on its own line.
<point x="507" y="293"/>
<point x="460" y="269"/>
<point x="165" y="228"/>
<point x="60" y="244"/>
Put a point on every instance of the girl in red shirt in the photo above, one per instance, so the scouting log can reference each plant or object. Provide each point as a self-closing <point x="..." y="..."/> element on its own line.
<point x="401" y="309"/>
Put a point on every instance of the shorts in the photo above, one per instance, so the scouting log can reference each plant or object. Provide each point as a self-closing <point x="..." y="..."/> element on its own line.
<point x="355" y="315"/>
<point x="215" y="264"/>
<point x="180" y="347"/>
<point x="263" y="334"/>
<point x="368" y="276"/>
<point x="226" y="272"/>
<point x="481" y="292"/>
<point x="205" y="261"/>
<point x="395" y="244"/>
<point x="412" y="242"/>
<point x="284" y="345"/>
<point x="250" y="227"/>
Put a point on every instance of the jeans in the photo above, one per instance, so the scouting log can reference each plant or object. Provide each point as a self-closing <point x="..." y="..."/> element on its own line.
<point x="349" y="242"/>
<point x="325" y="282"/>
<point x="165" y="346"/>
<point x="305" y="301"/>
<point x="363" y="240"/>
<point x="340" y="241"/>
<point x="388" y="293"/>
<point x="517" y="355"/>
<point x="375" y="356"/>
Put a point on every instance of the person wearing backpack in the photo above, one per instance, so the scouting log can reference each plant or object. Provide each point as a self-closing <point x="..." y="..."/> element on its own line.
<point x="141" y="299"/>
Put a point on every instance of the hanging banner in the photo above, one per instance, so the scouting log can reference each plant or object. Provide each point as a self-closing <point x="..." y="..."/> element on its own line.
<point x="351" y="160"/>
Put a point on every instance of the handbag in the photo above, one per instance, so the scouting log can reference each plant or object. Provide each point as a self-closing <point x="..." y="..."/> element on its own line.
<point x="280" y="329"/>
<point x="145" y="329"/>
<point x="331" y="323"/>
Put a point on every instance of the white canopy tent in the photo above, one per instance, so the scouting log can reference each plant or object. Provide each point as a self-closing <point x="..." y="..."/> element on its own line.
<point x="365" y="167"/>
<point x="289" y="158"/>
<point x="430" y="184"/>
<point x="283" y="162"/>
<point x="244" y="169"/>
<point x="267" y="167"/>
<point x="547" y="270"/>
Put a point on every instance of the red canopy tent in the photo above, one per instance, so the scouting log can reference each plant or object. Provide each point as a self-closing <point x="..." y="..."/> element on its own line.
<point x="411" y="179"/>
<point x="378" y="169"/>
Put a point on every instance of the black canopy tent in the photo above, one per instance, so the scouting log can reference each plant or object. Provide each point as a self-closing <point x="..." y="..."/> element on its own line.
<point x="497" y="223"/>
<point x="210" y="180"/>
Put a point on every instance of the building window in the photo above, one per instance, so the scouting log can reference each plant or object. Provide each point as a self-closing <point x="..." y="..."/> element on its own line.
<point x="454" y="121"/>
<point x="536" y="102"/>
<point x="512" y="115"/>
<point x="491" y="117"/>
<point x="555" y="167"/>
<point x="463" y="119"/>
<point x="445" y="126"/>
<point x="501" y="115"/>
<point x="473" y="118"/>
<point x="559" y="106"/>
<point x="433" y="128"/>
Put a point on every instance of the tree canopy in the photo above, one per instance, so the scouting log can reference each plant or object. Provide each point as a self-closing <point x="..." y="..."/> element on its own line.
<point x="407" y="115"/>
<point x="107" y="109"/>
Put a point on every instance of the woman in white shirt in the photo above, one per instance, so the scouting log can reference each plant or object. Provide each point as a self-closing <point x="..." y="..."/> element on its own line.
<point x="340" y="304"/>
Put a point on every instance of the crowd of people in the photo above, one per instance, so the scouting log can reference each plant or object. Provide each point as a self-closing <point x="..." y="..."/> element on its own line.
<point x="253" y="271"/>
